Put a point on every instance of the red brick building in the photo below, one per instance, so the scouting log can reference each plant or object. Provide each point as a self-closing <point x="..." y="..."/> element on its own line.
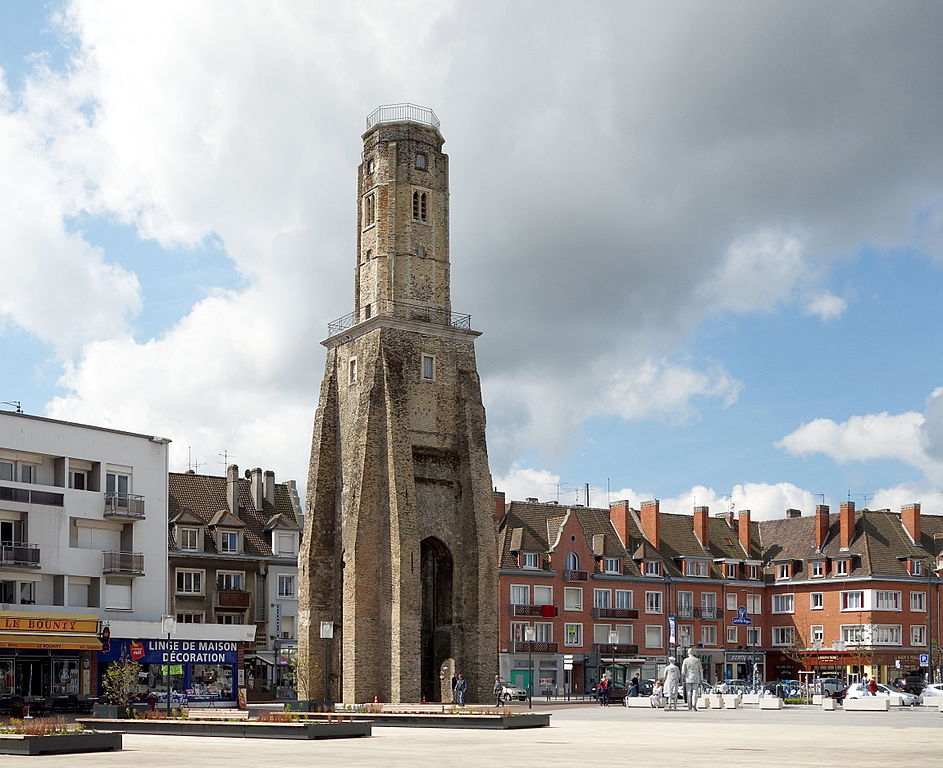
<point x="621" y="589"/>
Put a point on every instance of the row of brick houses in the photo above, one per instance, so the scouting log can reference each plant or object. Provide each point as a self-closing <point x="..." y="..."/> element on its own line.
<point x="620" y="589"/>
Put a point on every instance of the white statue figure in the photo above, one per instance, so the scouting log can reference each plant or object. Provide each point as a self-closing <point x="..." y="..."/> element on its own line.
<point x="693" y="676"/>
<point x="672" y="680"/>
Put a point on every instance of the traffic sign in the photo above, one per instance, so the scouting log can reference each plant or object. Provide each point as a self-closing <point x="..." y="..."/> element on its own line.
<point x="568" y="665"/>
<point x="924" y="659"/>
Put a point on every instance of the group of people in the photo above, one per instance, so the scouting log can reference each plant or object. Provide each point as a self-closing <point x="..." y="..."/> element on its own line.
<point x="665" y="691"/>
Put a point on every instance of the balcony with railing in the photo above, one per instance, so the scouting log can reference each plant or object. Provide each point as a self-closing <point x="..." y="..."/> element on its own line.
<point x="31" y="496"/>
<point x="124" y="506"/>
<point x="528" y="646"/>
<point x="402" y="309"/>
<point x="615" y="649"/>
<point x="123" y="563"/>
<point x="615" y="613"/>
<point x="702" y="612"/>
<point x="576" y="575"/>
<point x="19" y="555"/>
<point x="520" y="609"/>
<point x="402" y="113"/>
<point x="232" y="598"/>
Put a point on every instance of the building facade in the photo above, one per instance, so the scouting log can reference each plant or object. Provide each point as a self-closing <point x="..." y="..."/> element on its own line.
<point x="620" y="590"/>
<point x="398" y="563"/>
<point x="83" y="515"/>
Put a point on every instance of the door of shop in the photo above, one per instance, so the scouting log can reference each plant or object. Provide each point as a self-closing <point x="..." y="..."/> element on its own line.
<point x="520" y="678"/>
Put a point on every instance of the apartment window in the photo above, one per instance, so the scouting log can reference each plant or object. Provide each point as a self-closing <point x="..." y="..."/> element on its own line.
<point x="852" y="601"/>
<point x="731" y="635"/>
<point x="886" y="634"/>
<point x="118" y="595"/>
<point x="818" y="569"/>
<point x="753" y="572"/>
<point x="370" y="209"/>
<point x="685" y="605"/>
<point x="841" y="567"/>
<point x="652" y="568"/>
<point x="731" y="601"/>
<point x="624" y="631"/>
<point x="753" y="636"/>
<point x="784" y="603"/>
<point x="572" y="561"/>
<point x="602" y="598"/>
<point x="708" y="605"/>
<point x="543" y="632"/>
<point x="352" y="371"/>
<point x="573" y="634"/>
<point x="229" y="579"/>
<point x="624" y="599"/>
<point x="754" y="603"/>
<point x="286" y="586"/>
<point x="189" y="582"/>
<point x="428" y="368"/>
<point x="228" y="541"/>
<point x="78" y="479"/>
<point x="653" y="602"/>
<point x="918" y="634"/>
<point x="286" y="544"/>
<point x="731" y="569"/>
<point x="916" y="568"/>
<point x="520" y="594"/>
<point x="611" y="565"/>
<point x="653" y="636"/>
<point x="189" y="539"/>
<point x="817" y="633"/>
<point x="229" y="618"/>
<point x="186" y="617"/>
<point x="697" y="568"/>
<point x="6" y="470"/>
<point x="543" y="595"/>
<point x="887" y="600"/>
<point x="529" y="559"/>
<point x="852" y="633"/>
<point x="784" y="635"/>
<point x="601" y="633"/>
<point x="918" y="601"/>
<point x="573" y="598"/>
<point x="420" y="161"/>
<point x="709" y="634"/>
<point x="117" y="484"/>
<point x="685" y="634"/>
<point x="816" y="601"/>
<point x="518" y="631"/>
<point x="782" y="571"/>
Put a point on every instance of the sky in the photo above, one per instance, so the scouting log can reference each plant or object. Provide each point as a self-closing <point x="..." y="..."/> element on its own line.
<point x="702" y="240"/>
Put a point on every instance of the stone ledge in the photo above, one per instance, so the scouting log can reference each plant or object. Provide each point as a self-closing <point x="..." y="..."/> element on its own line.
<point x="867" y="704"/>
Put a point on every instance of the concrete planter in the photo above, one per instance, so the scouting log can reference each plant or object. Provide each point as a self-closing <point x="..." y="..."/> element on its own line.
<point x="22" y="744"/>
<point x="638" y="702"/>
<point x="817" y="699"/>
<point x="704" y="702"/>
<point x="771" y="702"/>
<point x="894" y="700"/>
<point x="715" y="700"/>
<point x="828" y="704"/>
<point x="117" y="711"/>
<point x="309" y="705"/>
<point x="731" y="700"/>
<point x="435" y="720"/>
<point x="241" y="730"/>
<point x="867" y="704"/>
<point x="750" y="698"/>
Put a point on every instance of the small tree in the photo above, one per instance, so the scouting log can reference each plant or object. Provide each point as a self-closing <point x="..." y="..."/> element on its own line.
<point x="120" y="681"/>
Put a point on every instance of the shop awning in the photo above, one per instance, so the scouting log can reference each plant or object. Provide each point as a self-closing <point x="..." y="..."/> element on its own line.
<point x="50" y="641"/>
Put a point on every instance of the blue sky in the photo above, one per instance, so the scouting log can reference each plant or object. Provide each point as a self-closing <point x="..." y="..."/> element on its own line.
<point x="707" y="270"/>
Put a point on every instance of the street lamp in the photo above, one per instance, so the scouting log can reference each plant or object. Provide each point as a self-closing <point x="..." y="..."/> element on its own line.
<point x="168" y="625"/>
<point x="529" y="634"/>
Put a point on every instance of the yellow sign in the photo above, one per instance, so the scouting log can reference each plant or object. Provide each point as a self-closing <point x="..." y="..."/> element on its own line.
<point x="36" y="622"/>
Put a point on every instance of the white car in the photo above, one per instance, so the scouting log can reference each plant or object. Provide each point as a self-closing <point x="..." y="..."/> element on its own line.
<point x="512" y="691"/>
<point x="932" y="691"/>
<point x="858" y="691"/>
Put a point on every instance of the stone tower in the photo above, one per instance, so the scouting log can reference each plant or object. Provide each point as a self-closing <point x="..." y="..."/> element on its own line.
<point x="399" y="551"/>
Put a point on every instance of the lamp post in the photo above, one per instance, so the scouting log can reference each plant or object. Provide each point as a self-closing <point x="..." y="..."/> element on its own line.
<point x="168" y="625"/>
<point x="529" y="634"/>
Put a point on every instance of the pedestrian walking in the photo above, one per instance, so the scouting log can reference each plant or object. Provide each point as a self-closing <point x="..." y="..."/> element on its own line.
<point x="498" y="690"/>
<point x="873" y="687"/>
<point x="603" y="691"/>
<point x="634" y="686"/>
<point x="461" y="686"/>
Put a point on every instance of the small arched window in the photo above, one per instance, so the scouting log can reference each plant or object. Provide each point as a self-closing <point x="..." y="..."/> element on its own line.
<point x="422" y="207"/>
<point x="421" y="161"/>
<point x="415" y="205"/>
<point x="572" y="561"/>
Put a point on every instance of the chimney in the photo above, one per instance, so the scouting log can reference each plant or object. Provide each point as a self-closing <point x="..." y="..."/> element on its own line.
<point x="743" y="530"/>
<point x="619" y="517"/>
<point x="650" y="522"/>
<point x="531" y="500"/>
<point x="255" y="485"/>
<point x="846" y="524"/>
<point x="728" y="515"/>
<point x="822" y="524"/>
<point x="793" y="513"/>
<point x="232" y="488"/>
<point x="269" y="485"/>
<point x="910" y="517"/>
<point x="499" y="506"/>
<point x="701" y="525"/>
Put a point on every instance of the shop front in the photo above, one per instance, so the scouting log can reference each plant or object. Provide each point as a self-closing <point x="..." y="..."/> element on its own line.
<point x="47" y="660"/>
<point x="745" y="665"/>
<point x="196" y="671"/>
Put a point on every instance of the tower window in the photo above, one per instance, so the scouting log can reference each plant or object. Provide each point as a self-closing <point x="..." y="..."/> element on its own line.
<point x="370" y="165"/>
<point x="352" y="371"/>
<point x="369" y="209"/>
<point x="420" y="206"/>
<point x="428" y="368"/>
<point x="420" y="161"/>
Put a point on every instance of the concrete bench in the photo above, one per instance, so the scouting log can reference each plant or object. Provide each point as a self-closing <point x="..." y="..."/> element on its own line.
<point x="867" y="704"/>
<point x="218" y="714"/>
<point x="639" y="702"/>
<point x="771" y="702"/>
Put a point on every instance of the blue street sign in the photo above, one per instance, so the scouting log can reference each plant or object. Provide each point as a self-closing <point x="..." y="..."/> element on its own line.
<point x="924" y="659"/>
<point x="742" y="618"/>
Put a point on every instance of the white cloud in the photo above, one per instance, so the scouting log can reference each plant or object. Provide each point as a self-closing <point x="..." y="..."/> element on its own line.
<point x="826" y="306"/>
<point x="860" y="438"/>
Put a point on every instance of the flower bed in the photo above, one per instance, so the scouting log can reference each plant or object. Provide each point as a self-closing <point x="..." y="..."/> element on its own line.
<point x="53" y="735"/>
<point x="247" y="729"/>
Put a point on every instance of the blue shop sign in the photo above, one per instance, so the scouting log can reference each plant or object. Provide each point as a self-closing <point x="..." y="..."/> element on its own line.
<point x="173" y="651"/>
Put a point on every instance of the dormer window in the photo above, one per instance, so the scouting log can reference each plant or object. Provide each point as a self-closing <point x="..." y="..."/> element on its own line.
<point x="841" y="567"/>
<point x="753" y="572"/>
<point x="229" y="541"/>
<point x="696" y="568"/>
<point x="528" y="559"/>
<point x="285" y="544"/>
<point x="652" y="568"/>
<point x="783" y="571"/>
<point x="731" y="570"/>
<point x="188" y="539"/>
<point x="817" y="569"/>
<point x="611" y="564"/>
<point x="916" y="568"/>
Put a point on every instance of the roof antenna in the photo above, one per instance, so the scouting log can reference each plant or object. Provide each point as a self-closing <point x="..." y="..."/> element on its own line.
<point x="191" y="464"/>
<point x="17" y="405"/>
<point x="226" y="456"/>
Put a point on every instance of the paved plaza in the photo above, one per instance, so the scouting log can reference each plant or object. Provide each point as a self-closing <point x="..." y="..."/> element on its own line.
<point x="580" y="735"/>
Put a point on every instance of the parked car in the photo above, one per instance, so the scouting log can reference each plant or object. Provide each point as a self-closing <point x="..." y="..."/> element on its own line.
<point x="931" y="692"/>
<point x="783" y="688"/>
<point x="857" y="691"/>
<point x="911" y="683"/>
<point x="510" y="691"/>
<point x="834" y="687"/>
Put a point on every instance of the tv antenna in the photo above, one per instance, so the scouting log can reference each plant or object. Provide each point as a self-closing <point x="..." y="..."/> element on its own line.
<point x="225" y="456"/>
<point x="191" y="463"/>
<point x="17" y="405"/>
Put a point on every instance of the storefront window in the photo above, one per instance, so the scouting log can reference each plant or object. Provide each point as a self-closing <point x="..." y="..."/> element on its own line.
<point x="65" y="676"/>
<point x="212" y="680"/>
<point x="6" y="677"/>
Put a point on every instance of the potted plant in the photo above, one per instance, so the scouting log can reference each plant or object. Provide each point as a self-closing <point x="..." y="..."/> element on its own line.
<point x="119" y="689"/>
